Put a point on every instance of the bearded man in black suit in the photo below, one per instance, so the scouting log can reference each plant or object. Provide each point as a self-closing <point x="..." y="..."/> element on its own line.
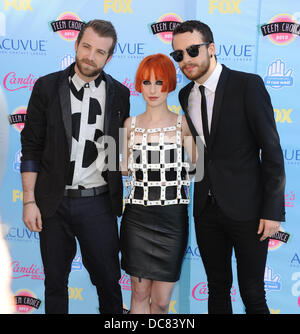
<point x="239" y="203"/>
<point x="69" y="191"/>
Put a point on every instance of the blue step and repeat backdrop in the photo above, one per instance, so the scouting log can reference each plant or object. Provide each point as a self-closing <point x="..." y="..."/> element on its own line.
<point x="259" y="36"/>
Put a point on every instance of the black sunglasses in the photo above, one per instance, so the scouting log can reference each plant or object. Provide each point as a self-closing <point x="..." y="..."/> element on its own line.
<point x="192" y="51"/>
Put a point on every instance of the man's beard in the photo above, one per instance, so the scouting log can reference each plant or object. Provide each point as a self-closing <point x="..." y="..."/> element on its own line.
<point x="93" y="72"/>
<point x="201" y="70"/>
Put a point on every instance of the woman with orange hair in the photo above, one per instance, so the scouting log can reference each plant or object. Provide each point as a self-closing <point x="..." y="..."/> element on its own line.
<point x="154" y="227"/>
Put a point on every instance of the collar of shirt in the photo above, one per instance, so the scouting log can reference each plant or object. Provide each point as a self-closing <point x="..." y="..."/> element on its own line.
<point x="211" y="83"/>
<point x="79" y="83"/>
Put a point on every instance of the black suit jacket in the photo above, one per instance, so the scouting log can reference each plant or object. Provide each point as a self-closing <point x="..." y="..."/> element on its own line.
<point x="47" y="136"/>
<point x="243" y="164"/>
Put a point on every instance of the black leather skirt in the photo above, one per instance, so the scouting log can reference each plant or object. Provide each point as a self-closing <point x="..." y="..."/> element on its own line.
<point x="154" y="240"/>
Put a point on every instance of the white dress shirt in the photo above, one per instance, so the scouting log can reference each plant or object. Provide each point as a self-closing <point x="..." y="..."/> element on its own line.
<point x="194" y="101"/>
<point x="87" y="174"/>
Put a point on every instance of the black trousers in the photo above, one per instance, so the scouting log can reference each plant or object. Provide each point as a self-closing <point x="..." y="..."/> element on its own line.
<point x="217" y="237"/>
<point x="90" y="220"/>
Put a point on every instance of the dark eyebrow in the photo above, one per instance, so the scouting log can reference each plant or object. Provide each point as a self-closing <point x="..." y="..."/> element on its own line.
<point x="102" y="50"/>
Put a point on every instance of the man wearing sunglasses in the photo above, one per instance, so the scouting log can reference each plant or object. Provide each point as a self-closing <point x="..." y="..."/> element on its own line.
<point x="239" y="203"/>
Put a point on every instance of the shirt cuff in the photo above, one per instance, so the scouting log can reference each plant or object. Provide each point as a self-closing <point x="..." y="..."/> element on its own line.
<point x="30" y="166"/>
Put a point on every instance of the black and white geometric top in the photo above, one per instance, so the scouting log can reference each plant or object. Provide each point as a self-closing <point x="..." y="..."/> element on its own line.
<point x="87" y="154"/>
<point x="157" y="170"/>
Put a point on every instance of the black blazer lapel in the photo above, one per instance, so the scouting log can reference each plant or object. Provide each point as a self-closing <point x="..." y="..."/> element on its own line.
<point x="184" y="96"/>
<point x="110" y="93"/>
<point x="183" y="99"/>
<point x="218" y="102"/>
<point x="65" y="104"/>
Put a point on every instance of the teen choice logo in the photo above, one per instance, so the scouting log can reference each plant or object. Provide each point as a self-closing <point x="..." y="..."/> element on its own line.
<point x="282" y="29"/>
<point x="165" y="26"/>
<point x="67" y="25"/>
<point x="18" y="117"/>
<point x="274" y="244"/>
<point x="278" y="239"/>
<point x="26" y="301"/>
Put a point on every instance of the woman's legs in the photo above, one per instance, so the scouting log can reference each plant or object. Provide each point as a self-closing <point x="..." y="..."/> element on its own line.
<point x="140" y="295"/>
<point x="149" y="296"/>
<point x="160" y="297"/>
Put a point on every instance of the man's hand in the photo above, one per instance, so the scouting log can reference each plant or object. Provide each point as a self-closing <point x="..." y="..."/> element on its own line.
<point x="32" y="217"/>
<point x="267" y="228"/>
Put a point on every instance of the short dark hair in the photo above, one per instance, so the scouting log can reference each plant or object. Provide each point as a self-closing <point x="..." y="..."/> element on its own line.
<point x="103" y="29"/>
<point x="191" y="25"/>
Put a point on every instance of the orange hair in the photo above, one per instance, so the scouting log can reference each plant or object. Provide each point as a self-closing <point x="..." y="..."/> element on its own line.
<point x="163" y="69"/>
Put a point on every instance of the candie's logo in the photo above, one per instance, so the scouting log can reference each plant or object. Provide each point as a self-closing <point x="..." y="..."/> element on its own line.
<point x="67" y="25"/>
<point x="165" y="26"/>
<point x="33" y="271"/>
<point x="17" y="118"/>
<point x="200" y="292"/>
<point x="125" y="282"/>
<point x="131" y="86"/>
<point x="282" y="29"/>
<point x="14" y="82"/>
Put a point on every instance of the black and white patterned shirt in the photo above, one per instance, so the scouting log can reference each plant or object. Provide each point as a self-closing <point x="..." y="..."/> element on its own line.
<point x="87" y="153"/>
